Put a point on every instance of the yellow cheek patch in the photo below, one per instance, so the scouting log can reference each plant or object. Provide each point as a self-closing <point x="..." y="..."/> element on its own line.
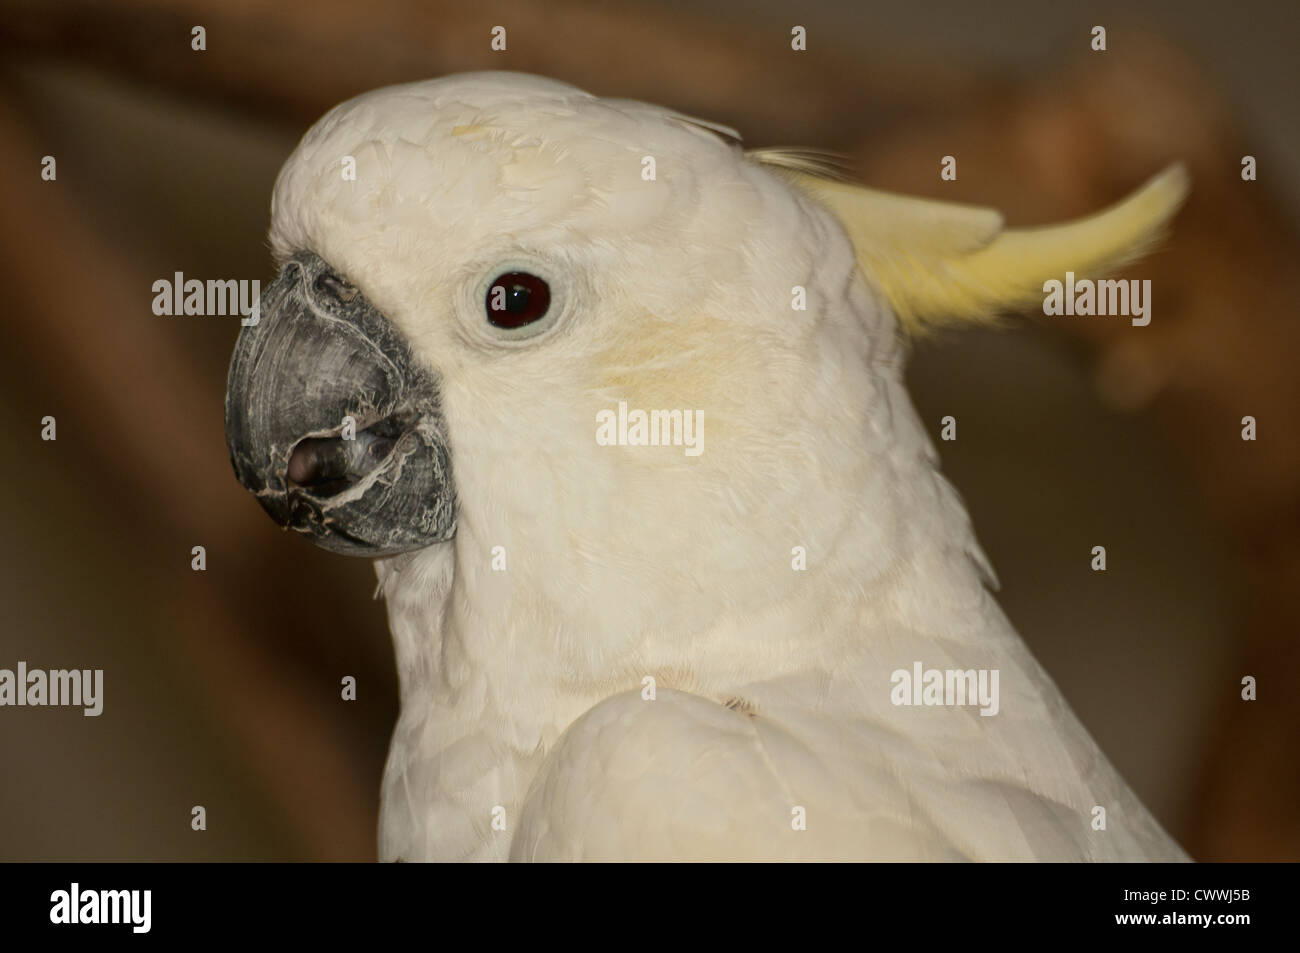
<point x="473" y="131"/>
<point x="696" y="363"/>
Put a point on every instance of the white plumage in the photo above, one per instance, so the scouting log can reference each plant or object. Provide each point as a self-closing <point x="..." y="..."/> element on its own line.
<point x="524" y="732"/>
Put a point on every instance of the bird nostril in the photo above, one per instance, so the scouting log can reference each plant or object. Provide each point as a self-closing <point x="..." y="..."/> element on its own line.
<point x="328" y="283"/>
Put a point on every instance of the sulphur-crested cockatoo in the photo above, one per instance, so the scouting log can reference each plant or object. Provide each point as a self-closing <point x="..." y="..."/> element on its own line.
<point x="756" y="626"/>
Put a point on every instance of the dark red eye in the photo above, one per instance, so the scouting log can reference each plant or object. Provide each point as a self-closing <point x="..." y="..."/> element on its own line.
<point x="516" y="299"/>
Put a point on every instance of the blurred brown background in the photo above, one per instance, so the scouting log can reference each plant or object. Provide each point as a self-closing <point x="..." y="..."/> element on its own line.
<point x="222" y="687"/>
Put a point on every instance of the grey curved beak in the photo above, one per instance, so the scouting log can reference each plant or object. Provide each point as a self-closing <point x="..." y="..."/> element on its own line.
<point x="332" y="424"/>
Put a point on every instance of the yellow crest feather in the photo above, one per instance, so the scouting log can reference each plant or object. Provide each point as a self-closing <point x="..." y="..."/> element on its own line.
<point x="941" y="263"/>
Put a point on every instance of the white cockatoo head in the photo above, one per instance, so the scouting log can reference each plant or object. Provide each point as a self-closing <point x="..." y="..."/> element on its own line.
<point x="484" y="271"/>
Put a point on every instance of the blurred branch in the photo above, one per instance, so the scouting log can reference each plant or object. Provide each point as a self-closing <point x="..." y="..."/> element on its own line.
<point x="293" y="59"/>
